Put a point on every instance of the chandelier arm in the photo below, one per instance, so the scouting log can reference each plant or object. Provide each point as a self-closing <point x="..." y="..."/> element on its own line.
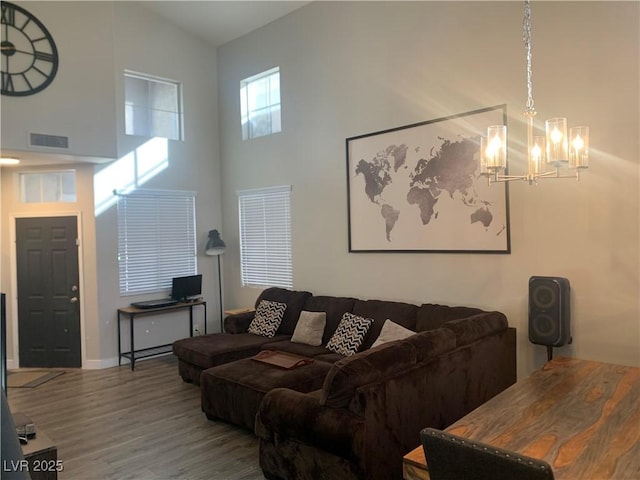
<point x="497" y="178"/>
<point x="551" y="175"/>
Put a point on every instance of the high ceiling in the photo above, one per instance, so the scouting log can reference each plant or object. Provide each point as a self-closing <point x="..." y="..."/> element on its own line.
<point x="216" y="22"/>
<point x="219" y="22"/>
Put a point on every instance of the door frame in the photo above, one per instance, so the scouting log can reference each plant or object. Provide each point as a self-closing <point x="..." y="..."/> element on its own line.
<point x="14" y="279"/>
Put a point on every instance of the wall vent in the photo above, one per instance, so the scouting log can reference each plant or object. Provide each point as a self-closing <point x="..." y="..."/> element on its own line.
<point x="44" y="140"/>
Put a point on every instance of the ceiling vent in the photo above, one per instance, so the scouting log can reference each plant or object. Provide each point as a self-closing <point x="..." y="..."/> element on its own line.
<point x="49" y="141"/>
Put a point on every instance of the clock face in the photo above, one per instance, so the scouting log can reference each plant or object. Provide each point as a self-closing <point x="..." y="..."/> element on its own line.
<point x="29" y="59"/>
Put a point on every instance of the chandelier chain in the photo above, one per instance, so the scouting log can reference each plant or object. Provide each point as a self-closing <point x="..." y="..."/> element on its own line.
<point x="526" y="34"/>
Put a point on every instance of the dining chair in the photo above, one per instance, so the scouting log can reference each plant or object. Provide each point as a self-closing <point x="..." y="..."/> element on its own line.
<point x="450" y="457"/>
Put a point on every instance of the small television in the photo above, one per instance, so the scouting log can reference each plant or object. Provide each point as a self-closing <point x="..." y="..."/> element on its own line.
<point x="186" y="288"/>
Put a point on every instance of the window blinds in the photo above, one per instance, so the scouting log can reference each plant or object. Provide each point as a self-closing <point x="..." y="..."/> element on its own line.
<point x="156" y="239"/>
<point x="265" y="237"/>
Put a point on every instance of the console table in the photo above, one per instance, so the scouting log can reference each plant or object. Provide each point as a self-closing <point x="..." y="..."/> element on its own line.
<point x="582" y="417"/>
<point x="42" y="456"/>
<point x="133" y="312"/>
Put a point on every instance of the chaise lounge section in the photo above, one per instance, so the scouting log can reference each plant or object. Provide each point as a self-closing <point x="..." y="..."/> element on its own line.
<point x="196" y="354"/>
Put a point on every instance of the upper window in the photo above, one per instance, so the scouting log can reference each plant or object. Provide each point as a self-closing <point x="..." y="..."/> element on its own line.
<point x="44" y="187"/>
<point x="156" y="239"/>
<point x="153" y="106"/>
<point x="260" y="104"/>
<point x="265" y="237"/>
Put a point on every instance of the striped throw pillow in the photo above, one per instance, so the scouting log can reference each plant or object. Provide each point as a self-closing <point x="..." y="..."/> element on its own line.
<point x="267" y="319"/>
<point x="349" y="335"/>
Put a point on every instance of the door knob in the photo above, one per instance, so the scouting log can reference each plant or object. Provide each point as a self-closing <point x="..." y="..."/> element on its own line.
<point x="73" y="299"/>
<point x="74" y="288"/>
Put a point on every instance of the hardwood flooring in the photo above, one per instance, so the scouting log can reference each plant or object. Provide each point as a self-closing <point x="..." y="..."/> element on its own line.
<point x="141" y="425"/>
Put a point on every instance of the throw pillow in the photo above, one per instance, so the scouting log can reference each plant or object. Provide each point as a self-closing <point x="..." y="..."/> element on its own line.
<point x="349" y="335"/>
<point x="267" y="319"/>
<point x="310" y="328"/>
<point x="392" y="331"/>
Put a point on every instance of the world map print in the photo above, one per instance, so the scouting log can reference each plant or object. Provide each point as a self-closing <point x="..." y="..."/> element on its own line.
<point x="424" y="192"/>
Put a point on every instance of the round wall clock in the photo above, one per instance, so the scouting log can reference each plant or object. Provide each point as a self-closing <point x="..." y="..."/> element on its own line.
<point x="29" y="59"/>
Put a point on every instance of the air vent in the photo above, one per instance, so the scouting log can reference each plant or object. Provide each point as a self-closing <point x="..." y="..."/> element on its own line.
<point x="52" y="141"/>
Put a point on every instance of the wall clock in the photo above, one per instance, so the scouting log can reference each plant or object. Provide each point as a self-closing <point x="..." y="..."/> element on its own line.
<point x="29" y="60"/>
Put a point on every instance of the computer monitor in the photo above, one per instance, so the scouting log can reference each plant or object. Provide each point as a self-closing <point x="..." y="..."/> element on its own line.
<point x="186" y="288"/>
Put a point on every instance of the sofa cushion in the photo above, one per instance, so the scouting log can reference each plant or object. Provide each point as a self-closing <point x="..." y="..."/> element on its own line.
<point x="335" y="308"/>
<point x="379" y="310"/>
<point x="267" y="319"/>
<point x="329" y="357"/>
<point x="349" y="335"/>
<point x="310" y="328"/>
<point x="295" y="301"/>
<point x="238" y="323"/>
<point x="303" y="349"/>
<point x="430" y="315"/>
<point x="207" y="351"/>
<point x="390" y="332"/>
<point x="233" y="391"/>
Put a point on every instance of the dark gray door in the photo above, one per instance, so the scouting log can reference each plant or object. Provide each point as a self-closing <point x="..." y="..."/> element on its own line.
<point x="48" y="292"/>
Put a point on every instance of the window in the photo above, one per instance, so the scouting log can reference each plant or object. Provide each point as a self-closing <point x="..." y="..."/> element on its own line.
<point x="265" y="237"/>
<point x="260" y="104"/>
<point x="156" y="239"/>
<point x="153" y="106"/>
<point x="43" y="187"/>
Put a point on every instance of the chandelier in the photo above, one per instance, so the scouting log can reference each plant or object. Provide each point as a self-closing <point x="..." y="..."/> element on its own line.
<point x="557" y="150"/>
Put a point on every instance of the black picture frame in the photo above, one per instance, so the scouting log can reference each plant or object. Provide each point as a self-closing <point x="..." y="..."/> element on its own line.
<point x="418" y="189"/>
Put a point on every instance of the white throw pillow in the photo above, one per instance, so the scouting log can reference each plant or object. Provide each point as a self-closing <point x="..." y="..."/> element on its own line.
<point x="392" y="331"/>
<point x="310" y="328"/>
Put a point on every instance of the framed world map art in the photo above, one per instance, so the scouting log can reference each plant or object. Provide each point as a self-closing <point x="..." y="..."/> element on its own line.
<point x="418" y="188"/>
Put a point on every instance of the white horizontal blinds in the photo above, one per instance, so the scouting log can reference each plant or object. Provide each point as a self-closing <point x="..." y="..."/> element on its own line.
<point x="265" y="237"/>
<point x="156" y="239"/>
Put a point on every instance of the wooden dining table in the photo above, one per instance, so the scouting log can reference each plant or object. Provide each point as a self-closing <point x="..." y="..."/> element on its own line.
<point x="580" y="416"/>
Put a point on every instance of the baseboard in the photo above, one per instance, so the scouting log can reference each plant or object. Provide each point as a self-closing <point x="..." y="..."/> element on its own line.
<point x="90" y="364"/>
<point x="100" y="364"/>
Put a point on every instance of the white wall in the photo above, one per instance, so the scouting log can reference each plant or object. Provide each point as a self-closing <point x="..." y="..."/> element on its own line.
<point x="147" y="43"/>
<point x="79" y="103"/>
<point x="87" y="97"/>
<point x="355" y="68"/>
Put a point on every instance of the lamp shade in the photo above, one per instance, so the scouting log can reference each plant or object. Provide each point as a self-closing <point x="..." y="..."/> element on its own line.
<point x="215" y="245"/>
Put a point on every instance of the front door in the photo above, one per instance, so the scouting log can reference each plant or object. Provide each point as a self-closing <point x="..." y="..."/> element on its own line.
<point x="48" y="292"/>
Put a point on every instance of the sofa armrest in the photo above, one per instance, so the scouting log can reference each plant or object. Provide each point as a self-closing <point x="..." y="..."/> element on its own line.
<point x="370" y="366"/>
<point x="471" y="329"/>
<point x="288" y="414"/>
<point x="238" y="323"/>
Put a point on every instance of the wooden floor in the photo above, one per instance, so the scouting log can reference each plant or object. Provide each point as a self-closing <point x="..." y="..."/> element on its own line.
<point x="146" y="424"/>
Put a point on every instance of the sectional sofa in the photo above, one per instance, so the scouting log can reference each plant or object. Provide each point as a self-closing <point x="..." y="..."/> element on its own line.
<point x="359" y="405"/>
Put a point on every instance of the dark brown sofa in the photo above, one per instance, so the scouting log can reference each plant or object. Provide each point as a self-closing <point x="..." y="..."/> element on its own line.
<point x="371" y="408"/>
<point x="335" y="416"/>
